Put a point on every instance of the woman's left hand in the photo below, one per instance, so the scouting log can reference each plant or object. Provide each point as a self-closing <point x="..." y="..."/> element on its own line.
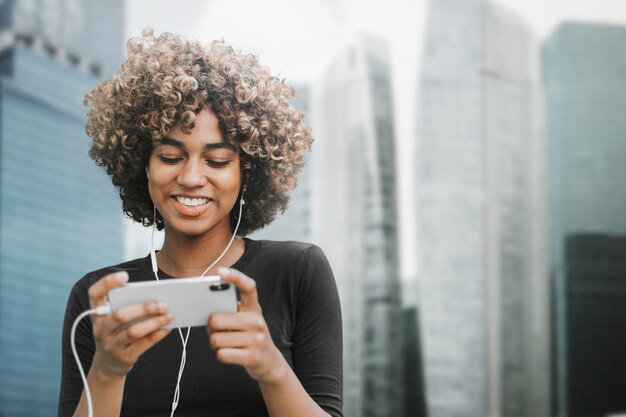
<point x="243" y="338"/>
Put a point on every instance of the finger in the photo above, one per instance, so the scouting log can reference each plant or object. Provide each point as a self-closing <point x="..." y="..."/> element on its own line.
<point x="236" y="322"/>
<point x="246" y="285"/>
<point x="136" y="311"/>
<point x="235" y="356"/>
<point x="98" y="291"/>
<point x="139" y="330"/>
<point x="127" y="314"/>
<point x="137" y="348"/>
<point x="220" y="340"/>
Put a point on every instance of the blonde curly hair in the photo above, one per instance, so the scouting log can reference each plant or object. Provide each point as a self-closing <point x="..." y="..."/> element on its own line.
<point x="165" y="81"/>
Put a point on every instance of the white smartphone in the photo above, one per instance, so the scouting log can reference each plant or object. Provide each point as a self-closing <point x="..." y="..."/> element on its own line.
<point x="190" y="300"/>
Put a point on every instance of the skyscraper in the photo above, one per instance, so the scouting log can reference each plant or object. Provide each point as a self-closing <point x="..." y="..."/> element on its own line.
<point x="90" y="33"/>
<point x="59" y="215"/>
<point x="483" y="276"/>
<point x="354" y="221"/>
<point x="584" y="75"/>
<point x="414" y="392"/>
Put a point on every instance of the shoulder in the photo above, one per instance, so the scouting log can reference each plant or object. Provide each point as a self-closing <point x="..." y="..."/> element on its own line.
<point x="284" y="248"/>
<point x="78" y="299"/>
<point x="292" y="253"/>
<point x="297" y="262"/>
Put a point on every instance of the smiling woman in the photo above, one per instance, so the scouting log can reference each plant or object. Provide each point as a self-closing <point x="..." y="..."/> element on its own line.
<point x="186" y="132"/>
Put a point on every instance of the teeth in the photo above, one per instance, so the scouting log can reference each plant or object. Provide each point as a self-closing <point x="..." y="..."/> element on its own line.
<point x="192" y="202"/>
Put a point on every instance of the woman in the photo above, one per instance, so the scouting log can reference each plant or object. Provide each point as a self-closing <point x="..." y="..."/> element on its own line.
<point x="183" y="131"/>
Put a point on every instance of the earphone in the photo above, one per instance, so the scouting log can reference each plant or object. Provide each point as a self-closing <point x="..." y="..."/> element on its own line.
<point x="106" y="309"/>
<point x="155" y="269"/>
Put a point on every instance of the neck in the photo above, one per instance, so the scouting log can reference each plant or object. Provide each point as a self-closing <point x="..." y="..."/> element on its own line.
<point x="186" y="256"/>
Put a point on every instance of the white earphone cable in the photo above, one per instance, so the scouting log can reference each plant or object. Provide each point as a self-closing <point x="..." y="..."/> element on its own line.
<point x="106" y="309"/>
<point x="155" y="269"/>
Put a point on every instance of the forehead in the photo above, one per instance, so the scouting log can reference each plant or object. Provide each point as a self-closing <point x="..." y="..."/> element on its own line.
<point x="206" y="133"/>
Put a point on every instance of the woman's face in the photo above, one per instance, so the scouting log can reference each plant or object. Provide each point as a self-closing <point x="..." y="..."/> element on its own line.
<point x="194" y="178"/>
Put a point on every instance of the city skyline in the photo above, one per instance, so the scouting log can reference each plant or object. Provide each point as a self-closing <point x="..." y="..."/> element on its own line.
<point x="330" y="26"/>
<point x="477" y="163"/>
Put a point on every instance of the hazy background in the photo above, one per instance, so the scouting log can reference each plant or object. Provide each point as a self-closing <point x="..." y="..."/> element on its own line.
<point x="466" y="183"/>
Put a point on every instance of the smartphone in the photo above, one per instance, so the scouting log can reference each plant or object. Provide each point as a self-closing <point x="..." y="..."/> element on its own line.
<point x="190" y="300"/>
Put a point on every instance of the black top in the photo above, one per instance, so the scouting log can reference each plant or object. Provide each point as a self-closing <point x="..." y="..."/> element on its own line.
<point x="298" y="295"/>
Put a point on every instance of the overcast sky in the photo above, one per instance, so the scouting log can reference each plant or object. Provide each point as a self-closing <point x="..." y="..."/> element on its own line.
<point x="297" y="38"/>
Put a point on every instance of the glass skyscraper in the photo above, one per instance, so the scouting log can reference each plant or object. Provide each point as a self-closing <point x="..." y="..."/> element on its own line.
<point x="585" y="79"/>
<point x="354" y="221"/>
<point x="59" y="215"/>
<point x="483" y="281"/>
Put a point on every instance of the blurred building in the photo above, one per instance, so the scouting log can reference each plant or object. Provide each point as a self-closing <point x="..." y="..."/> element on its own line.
<point x="295" y="222"/>
<point x="584" y="70"/>
<point x="484" y="289"/>
<point x="89" y="33"/>
<point x="59" y="215"/>
<point x="354" y="221"/>
<point x="413" y="373"/>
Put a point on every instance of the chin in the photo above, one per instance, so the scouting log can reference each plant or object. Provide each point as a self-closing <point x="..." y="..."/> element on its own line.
<point x="191" y="229"/>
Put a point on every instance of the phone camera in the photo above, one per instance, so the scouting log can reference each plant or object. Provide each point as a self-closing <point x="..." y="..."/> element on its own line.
<point x="220" y="286"/>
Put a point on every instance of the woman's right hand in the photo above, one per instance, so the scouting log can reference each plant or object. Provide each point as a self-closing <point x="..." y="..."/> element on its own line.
<point x="118" y="348"/>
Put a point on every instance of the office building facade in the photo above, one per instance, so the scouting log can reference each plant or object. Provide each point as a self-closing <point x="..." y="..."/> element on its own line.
<point x="480" y="206"/>
<point x="59" y="215"/>
<point x="584" y="76"/>
<point x="354" y="221"/>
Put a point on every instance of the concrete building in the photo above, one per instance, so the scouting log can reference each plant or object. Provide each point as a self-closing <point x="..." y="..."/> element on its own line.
<point x="59" y="215"/>
<point x="481" y="236"/>
<point x="354" y="221"/>
<point x="584" y="75"/>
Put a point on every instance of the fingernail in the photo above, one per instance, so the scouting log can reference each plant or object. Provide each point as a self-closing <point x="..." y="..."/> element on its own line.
<point x="121" y="276"/>
<point x="223" y="270"/>
<point x="161" y="305"/>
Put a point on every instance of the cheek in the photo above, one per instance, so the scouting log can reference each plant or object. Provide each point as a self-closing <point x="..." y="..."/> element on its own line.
<point x="157" y="179"/>
<point x="230" y="182"/>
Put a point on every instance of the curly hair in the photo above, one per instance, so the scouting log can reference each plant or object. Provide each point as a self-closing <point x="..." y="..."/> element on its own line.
<point x="165" y="81"/>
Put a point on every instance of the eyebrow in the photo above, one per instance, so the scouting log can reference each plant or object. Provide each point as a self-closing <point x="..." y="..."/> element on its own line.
<point x="209" y="146"/>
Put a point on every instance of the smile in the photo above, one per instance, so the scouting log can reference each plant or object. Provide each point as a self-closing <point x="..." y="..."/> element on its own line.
<point x="192" y="206"/>
<point x="192" y="202"/>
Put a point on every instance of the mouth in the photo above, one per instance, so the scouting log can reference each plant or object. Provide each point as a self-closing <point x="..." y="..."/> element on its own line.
<point x="191" y="206"/>
<point x="192" y="201"/>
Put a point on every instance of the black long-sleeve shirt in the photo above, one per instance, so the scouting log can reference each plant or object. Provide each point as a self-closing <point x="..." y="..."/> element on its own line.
<point x="298" y="295"/>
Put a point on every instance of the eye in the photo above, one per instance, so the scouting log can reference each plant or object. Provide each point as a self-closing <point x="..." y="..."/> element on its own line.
<point x="217" y="164"/>
<point x="169" y="159"/>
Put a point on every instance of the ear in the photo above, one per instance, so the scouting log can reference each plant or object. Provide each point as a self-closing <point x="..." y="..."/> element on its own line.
<point x="247" y="168"/>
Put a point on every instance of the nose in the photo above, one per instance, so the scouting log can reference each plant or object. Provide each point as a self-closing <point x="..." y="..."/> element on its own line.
<point x="192" y="174"/>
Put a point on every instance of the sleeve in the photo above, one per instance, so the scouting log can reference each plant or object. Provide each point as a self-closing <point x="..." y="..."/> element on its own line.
<point x="317" y="351"/>
<point x="71" y="383"/>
